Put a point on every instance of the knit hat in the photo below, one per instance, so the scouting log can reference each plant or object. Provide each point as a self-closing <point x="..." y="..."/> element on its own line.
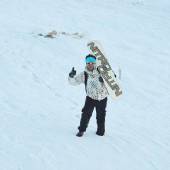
<point x="90" y="58"/>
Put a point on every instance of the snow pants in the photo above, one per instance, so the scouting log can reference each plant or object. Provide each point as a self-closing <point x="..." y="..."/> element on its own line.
<point x="87" y="111"/>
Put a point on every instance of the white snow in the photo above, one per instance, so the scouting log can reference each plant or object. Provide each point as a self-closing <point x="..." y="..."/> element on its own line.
<point x="40" y="111"/>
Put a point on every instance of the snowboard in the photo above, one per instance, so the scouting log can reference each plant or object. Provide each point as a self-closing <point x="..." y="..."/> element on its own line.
<point x="105" y="69"/>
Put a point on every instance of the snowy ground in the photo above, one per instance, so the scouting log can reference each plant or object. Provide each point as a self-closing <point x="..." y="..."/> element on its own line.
<point x="40" y="111"/>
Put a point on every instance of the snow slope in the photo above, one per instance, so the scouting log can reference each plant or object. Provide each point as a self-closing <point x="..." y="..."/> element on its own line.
<point x="40" y="111"/>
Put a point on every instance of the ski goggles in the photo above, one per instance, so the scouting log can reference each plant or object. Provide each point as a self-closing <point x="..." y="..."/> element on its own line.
<point x="90" y="60"/>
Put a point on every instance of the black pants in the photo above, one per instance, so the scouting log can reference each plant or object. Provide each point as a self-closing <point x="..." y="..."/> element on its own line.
<point x="87" y="111"/>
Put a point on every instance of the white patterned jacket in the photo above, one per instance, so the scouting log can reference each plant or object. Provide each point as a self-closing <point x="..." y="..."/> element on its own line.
<point x="94" y="88"/>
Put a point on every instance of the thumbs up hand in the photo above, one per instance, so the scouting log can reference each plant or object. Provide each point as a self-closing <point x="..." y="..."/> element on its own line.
<point x="72" y="73"/>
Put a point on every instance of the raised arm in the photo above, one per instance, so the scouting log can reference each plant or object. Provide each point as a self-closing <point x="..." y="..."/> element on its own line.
<point x="75" y="80"/>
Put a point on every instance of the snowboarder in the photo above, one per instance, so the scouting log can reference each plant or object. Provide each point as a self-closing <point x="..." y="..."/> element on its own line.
<point x="96" y="95"/>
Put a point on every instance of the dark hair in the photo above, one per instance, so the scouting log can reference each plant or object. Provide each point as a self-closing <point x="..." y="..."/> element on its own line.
<point x="90" y="55"/>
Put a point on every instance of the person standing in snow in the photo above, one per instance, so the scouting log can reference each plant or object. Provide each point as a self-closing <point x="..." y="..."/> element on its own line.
<point x="96" y="95"/>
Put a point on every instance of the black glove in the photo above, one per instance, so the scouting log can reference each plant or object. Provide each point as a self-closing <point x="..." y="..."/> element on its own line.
<point x="101" y="79"/>
<point x="72" y="73"/>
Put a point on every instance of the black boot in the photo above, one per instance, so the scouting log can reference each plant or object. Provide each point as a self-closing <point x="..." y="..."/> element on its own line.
<point x="100" y="133"/>
<point x="79" y="134"/>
